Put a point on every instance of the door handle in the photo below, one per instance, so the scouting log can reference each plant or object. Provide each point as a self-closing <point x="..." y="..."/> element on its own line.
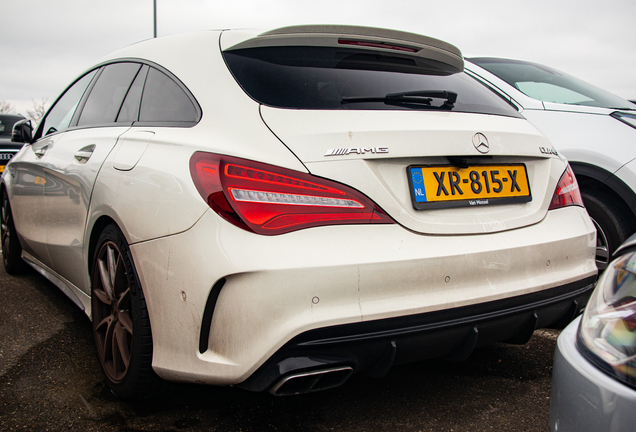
<point x="40" y="151"/>
<point x="84" y="154"/>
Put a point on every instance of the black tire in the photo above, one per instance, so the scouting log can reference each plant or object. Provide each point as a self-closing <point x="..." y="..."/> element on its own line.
<point x="121" y="324"/>
<point x="612" y="227"/>
<point x="11" y="248"/>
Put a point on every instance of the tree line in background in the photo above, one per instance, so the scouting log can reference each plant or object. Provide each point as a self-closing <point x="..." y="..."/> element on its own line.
<point x="35" y="114"/>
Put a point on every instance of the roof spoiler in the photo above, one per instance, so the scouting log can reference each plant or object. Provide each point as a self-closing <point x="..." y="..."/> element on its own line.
<point x="368" y="38"/>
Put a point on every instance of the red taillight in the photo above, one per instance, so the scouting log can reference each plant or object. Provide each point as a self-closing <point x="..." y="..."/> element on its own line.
<point x="271" y="200"/>
<point x="567" y="192"/>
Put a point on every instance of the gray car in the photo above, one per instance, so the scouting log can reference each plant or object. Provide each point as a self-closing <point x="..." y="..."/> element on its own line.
<point x="594" y="377"/>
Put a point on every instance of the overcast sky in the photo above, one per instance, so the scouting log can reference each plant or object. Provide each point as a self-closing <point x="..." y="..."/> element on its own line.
<point x="45" y="44"/>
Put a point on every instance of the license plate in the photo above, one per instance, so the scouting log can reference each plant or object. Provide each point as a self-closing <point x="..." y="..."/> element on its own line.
<point x="444" y="186"/>
<point x="1" y="169"/>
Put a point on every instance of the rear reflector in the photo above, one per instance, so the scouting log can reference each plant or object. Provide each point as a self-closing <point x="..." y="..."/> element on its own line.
<point x="266" y="199"/>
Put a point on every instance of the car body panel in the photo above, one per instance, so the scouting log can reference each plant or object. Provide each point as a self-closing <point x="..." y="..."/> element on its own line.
<point x="406" y="134"/>
<point x="583" y="397"/>
<point x="370" y="273"/>
<point x="159" y="200"/>
<point x="25" y="178"/>
<point x="393" y="195"/>
<point x="406" y="137"/>
<point x="627" y="175"/>
<point x="589" y="138"/>
<point x="71" y="166"/>
<point x="78" y="296"/>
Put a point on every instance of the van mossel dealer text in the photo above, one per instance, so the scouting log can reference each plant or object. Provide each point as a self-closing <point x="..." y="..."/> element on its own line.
<point x="477" y="202"/>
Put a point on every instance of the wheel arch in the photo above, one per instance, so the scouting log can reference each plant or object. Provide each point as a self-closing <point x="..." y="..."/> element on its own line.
<point x="97" y="229"/>
<point x="3" y="188"/>
<point x="138" y="379"/>
<point x="592" y="177"/>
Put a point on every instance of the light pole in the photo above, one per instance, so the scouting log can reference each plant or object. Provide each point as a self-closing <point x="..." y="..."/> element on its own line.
<point x="154" y="10"/>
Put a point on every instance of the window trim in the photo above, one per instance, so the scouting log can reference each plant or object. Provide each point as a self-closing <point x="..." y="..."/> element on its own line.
<point x="195" y="103"/>
<point x="80" y="106"/>
<point x="39" y="133"/>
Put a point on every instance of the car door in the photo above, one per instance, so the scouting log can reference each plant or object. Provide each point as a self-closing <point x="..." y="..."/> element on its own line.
<point x="73" y="163"/>
<point x="28" y="170"/>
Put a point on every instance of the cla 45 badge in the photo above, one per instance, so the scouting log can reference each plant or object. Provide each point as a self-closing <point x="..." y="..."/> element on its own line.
<point x="546" y="150"/>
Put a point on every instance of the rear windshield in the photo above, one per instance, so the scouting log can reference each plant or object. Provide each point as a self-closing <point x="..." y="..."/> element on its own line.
<point x="550" y="85"/>
<point x="351" y="79"/>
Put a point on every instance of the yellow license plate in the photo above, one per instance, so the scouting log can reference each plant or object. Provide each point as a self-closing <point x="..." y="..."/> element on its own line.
<point x="449" y="186"/>
<point x="1" y="169"/>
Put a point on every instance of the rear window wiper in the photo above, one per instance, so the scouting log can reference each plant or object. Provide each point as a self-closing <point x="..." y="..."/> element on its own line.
<point x="424" y="97"/>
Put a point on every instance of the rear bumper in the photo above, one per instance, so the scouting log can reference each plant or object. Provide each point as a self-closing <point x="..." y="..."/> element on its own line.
<point x="373" y="347"/>
<point x="225" y="304"/>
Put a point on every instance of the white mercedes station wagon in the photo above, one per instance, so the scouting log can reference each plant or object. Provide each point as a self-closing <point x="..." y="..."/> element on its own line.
<point x="278" y="210"/>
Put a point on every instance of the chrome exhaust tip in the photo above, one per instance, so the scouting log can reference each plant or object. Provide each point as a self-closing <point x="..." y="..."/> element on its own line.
<point x="311" y="381"/>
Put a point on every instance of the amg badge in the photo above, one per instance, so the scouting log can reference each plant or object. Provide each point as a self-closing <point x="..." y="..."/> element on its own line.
<point x="356" y="150"/>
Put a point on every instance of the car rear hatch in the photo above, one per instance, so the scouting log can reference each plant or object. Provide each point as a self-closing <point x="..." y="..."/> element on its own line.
<point x="392" y="115"/>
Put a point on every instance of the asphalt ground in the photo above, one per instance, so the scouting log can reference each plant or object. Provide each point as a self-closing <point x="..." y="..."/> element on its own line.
<point x="50" y="380"/>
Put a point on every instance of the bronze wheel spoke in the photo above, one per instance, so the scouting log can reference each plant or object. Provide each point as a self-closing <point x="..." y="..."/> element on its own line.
<point x="102" y="326"/>
<point x="126" y="322"/>
<point x="122" y="337"/>
<point x="112" y="262"/>
<point x="108" y="342"/>
<point x="115" y="359"/>
<point x="124" y="312"/>
<point x="102" y="296"/>
<point x="105" y="279"/>
<point x="120" y="281"/>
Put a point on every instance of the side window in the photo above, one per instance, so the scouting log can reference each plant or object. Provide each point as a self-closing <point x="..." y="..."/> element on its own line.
<point x="164" y="100"/>
<point x="107" y="95"/>
<point x="59" y="117"/>
<point x="130" y="109"/>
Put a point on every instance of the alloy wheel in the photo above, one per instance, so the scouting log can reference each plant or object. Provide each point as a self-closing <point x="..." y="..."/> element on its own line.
<point x="112" y="318"/>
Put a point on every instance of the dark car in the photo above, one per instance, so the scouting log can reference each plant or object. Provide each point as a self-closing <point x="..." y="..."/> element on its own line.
<point x="8" y="148"/>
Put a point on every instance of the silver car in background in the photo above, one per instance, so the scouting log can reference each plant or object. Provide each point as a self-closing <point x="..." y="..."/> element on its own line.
<point x="593" y="128"/>
<point x="594" y="376"/>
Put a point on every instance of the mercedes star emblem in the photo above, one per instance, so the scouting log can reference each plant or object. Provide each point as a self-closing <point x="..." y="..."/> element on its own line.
<point x="481" y="143"/>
